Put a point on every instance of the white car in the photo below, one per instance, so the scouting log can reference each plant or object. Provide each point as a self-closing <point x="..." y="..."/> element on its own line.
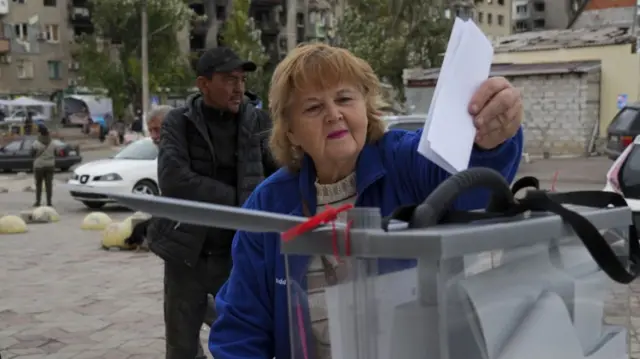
<point x="20" y="116"/>
<point x="133" y="170"/>
<point x="624" y="177"/>
<point x="406" y="122"/>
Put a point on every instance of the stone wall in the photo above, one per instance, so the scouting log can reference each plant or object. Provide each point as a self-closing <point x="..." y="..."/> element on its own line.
<point x="561" y="111"/>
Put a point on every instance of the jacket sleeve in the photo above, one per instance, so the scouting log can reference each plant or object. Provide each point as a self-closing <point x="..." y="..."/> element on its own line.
<point x="175" y="176"/>
<point x="244" y="326"/>
<point x="423" y="176"/>
<point x="268" y="161"/>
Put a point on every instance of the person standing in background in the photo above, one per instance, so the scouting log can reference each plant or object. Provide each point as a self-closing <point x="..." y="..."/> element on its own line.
<point x="212" y="150"/>
<point x="44" y="164"/>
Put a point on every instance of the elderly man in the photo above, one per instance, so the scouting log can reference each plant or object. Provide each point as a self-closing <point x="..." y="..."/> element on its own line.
<point x="154" y="123"/>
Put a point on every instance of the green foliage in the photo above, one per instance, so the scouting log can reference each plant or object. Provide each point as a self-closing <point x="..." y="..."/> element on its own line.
<point x="110" y="59"/>
<point x="395" y="36"/>
<point x="240" y="34"/>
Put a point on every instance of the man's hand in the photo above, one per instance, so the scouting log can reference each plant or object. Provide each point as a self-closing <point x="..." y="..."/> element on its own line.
<point x="497" y="110"/>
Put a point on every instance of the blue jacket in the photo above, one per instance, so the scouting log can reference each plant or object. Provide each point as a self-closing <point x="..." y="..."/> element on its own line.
<point x="252" y="306"/>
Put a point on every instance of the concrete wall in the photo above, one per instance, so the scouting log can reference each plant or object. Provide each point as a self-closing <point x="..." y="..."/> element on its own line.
<point x="620" y="72"/>
<point x="561" y="112"/>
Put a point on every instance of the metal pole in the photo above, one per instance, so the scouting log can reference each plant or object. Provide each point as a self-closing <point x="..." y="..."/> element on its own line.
<point x="292" y="33"/>
<point x="145" y="66"/>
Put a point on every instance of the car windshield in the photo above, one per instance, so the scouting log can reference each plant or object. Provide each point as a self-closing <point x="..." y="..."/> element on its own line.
<point x="624" y="119"/>
<point x="139" y="150"/>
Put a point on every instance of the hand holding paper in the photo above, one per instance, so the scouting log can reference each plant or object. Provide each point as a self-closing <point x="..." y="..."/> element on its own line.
<point x="467" y="107"/>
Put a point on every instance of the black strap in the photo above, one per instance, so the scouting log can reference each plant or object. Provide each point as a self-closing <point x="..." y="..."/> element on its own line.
<point x="590" y="236"/>
<point x="621" y="270"/>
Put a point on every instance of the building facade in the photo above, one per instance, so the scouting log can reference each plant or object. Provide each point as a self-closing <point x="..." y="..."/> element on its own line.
<point x="613" y="47"/>
<point x="494" y="17"/>
<point x="599" y="13"/>
<point x="35" y="40"/>
<point x="538" y="15"/>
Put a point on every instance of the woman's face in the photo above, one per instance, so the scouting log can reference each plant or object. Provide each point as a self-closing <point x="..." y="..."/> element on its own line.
<point x="329" y="125"/>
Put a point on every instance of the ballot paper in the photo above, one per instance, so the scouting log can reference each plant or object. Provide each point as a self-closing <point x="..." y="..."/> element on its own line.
<point x="448" y="136"/>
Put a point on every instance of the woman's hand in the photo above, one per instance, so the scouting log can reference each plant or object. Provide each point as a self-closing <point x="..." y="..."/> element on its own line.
<point x="497" y="110"/>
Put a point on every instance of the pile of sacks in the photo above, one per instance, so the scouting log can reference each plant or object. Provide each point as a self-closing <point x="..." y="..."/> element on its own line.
<point x="12" y="224"/>
<point x="114" y="234"/>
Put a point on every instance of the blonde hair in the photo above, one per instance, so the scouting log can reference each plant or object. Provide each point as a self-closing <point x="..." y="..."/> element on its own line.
<point x="316" y="67"/>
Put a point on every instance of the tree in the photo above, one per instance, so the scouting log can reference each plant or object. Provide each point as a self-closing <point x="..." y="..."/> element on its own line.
<point x="394" y="37"/>
<point x="110" y="58"/>
<point x="240" y="34"/>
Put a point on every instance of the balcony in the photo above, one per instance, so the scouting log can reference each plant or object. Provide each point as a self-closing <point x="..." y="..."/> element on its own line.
<point x="5" y="45"/>
<point x="79" y="15"/>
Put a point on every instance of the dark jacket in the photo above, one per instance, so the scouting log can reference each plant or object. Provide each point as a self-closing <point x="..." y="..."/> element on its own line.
<point x="186" y="170"/>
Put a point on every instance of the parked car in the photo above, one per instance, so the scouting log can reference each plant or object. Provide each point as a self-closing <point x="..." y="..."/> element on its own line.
<point x="133" y="170"/>
<point x="16" y="155"/>
<point x="622" y="130"/>
<point x="624" y="177"/>
<point x="406" y="122"/>
<point x="19" y="116"/>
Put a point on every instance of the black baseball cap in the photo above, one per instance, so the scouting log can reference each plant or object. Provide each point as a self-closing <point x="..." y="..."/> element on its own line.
<point x="222" y="59"/>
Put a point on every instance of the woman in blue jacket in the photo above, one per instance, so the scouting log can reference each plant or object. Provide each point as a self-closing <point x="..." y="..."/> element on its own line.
<point x="331" y="141"/>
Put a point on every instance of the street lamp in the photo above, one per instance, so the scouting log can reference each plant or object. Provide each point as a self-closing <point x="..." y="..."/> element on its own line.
<point x="145" y="66"/>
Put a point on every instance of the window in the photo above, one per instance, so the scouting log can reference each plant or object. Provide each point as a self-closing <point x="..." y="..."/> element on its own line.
<point x="500" y="20"/>
<point x="54" y="70"/>
<point x="624" y="120"/>
<point x="220" y="12"/>
<point x="480" y="17"/>
<point x="539" y="6"/>
<point x="25" y="69"/>
<point x="489" y="19"/>
<point x="139" y="150"/>
<point x="52" y="33"/>
<point x="19" y="1"/>
<point x="21" y="31"/>
<point x="12" y="147"/>
<point x="521" y="9"/>
<point x="52" y="3"/>
<point x="628" y="175"/>
<point x="500" y="2"/>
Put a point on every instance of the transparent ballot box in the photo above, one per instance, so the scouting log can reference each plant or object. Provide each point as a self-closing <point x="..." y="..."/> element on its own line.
<point x="519" y="288"/>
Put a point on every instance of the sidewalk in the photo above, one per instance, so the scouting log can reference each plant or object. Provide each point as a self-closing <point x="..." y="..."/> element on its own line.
<point x="576" y="170"/>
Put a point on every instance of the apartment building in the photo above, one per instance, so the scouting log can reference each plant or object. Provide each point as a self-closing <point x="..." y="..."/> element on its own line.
<point x="537" y="15"/>
<point x="316" y="20"/>
<point x="603" y="13"/>
<point x="35" y="45"/>
<point x="494" y="17"/>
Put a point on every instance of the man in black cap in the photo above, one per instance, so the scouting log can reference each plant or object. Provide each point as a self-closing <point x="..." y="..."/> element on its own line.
<point x="213" y="150"/>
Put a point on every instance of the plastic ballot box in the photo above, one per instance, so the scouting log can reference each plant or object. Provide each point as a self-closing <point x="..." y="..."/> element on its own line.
<point x="539" y="277"/>
<point x="525" y="288"/>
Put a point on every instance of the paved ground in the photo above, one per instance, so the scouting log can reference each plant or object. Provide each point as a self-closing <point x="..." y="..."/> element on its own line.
<point x="62" y="297"/>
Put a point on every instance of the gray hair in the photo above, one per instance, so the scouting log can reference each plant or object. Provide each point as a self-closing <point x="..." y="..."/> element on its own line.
<point x="158" y="112"/>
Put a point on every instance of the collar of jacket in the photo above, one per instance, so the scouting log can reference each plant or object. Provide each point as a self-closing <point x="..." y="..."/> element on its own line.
<point x="369" y="168"/>
<point x="194" y="108"/>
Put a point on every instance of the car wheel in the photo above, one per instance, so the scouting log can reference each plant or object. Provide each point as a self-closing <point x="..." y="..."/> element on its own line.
<point x="93" y="205"/>
<point x="146" y="187"/>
